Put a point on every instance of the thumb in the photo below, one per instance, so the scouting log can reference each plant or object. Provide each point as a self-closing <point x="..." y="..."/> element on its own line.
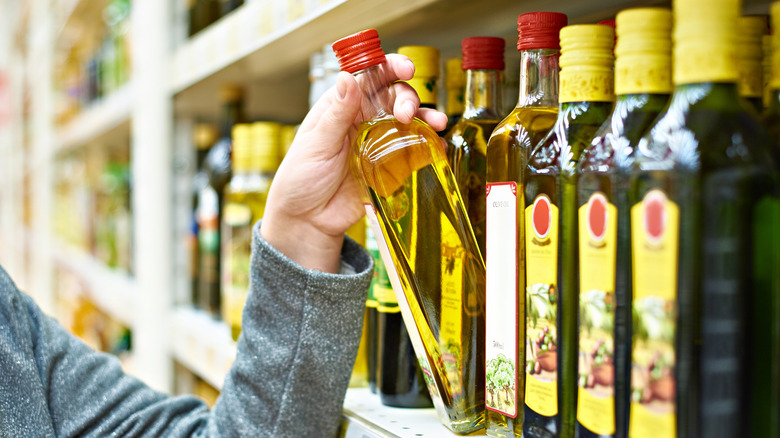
<point x="334" y="124"/>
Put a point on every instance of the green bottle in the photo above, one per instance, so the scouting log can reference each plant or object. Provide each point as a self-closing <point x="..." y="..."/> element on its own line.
<point x="643" y="83"/>
<point x="586" y="98"/>
<point x="703" y="195"/>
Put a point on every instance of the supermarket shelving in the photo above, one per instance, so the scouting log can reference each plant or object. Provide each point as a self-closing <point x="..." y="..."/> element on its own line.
<point x="111" y="290"/>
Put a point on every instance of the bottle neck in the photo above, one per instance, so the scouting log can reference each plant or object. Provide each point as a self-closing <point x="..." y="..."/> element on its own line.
<point x="455" y="102"/>
<point x="231" y="115"/>
<point x="538" y="78"/>
<point x="377" y="100"/>
<point x="707" y="95"/>
<point x="483" y="94"/>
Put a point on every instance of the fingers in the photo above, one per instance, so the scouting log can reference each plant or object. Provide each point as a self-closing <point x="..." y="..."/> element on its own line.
<point x="437" y="119"/>
<point x="338" y="115"/>
<point x="407" y="106"/>
<point x="401" y="67"/>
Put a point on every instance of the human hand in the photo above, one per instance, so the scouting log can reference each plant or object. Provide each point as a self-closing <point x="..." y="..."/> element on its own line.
<point x="314" y="198"/>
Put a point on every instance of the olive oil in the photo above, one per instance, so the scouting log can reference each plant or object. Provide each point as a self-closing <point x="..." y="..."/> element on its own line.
<point x="439" y="286"/>
<point x="455" y="83"/>
<point x="507" y="156"/>
<point x="643" y="82"/>
<point x="702" y="188"/>
<point x="551" y="234"/>
<point x="255" y="159"/>
<point x="483" y="61"/>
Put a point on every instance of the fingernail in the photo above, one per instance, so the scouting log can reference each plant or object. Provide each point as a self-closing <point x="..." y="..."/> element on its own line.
<point x="409" y="109"/>
<point x="410" y="64"/>
<point x="341" y="88"/>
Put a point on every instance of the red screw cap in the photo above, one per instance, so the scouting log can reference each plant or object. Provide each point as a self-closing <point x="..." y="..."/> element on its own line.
<point x="540" y="30"/>
<point x="483" y="53"/>
<point x="359" y="51"/>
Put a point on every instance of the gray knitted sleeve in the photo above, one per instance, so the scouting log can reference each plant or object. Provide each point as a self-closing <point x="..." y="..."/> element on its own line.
<point x="300" y="334"/>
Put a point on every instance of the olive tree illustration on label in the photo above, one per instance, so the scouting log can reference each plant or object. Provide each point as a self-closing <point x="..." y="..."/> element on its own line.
<point x="654" y="247"/>
<point x="541" y="235"/>
<point x="596" y="366"/>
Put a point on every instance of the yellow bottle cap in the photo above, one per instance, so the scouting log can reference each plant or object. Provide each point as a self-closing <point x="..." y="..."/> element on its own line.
<point x="766" y="52"/>
<point x="242" y="145"/>
<point x="265" y="151"/>
<point x="230" y="93"/>
<point x="204" y="135"/>
<point x="774" y="10"/>
<point x="705" y="35"/>
<point x="586" y="63"/>
<point x="643" y="62"/>
<point x="426" y="71"/>
<point x="456" y="77"/>
<point x="750" y="30"/>
<point x="287" y="136"/>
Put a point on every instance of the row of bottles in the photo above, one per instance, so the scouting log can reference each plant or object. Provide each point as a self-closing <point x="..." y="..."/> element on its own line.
<point x="97" y="64"/>
<point x="628" y="212"/>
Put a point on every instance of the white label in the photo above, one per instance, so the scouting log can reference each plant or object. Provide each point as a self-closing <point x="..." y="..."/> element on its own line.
<point x="501" y="298"/>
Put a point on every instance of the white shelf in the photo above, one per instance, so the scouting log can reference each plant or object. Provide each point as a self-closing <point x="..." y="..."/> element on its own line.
<point x="202" y="344"/>
<point x="101" y="121"/>
<point x="366" y="417"/>
<point x="112" y="291"/>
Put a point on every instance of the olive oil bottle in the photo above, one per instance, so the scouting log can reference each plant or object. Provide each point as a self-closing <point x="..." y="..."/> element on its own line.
<point x="751" y="29"/>
<point x="771" y="117"/>
<point x="703" y="191"/>
<point x="255" y="159"/>
<point x="411" y="190"/>
<point x="507" y="156"/>
<point x="372" y="339"/>
<point x="551" y="243"/>
<point x="483" y="61"/>
<point x="455" y="83"/>
<point x="643" y="83"/>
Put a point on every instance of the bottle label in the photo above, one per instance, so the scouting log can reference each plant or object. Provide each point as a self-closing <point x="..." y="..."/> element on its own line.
<point x="541" y="298"/>
<point x="501" y="325"/>
<point x="410" y="310"/>
<point x="237" y="250"/>
<point x="451" y="304"/>
<point x="373" y="249"/>
<point x="596" y="377"/>
<point x="655" y="224"/>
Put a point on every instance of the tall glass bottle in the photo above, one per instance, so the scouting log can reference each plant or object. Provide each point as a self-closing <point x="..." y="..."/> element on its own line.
<point x="483" y="61"/>
<point x="216" y="166"/>
<point x="255" y="159"/>
<point x="643" y="82"/>
<point x="455" y="83"/>
<point x="771" y="116"/>
<point x="751" y="29"/>
<point x="399" y="379"/>
<point x="507" y="157"/>
<point x="204" y="136"/>
<point x="551" y="243"/>
<point x="411" y="190"/>
<point x="703" y="192"/>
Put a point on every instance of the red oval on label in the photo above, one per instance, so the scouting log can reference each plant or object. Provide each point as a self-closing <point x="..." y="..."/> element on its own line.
<point x="654" y="217"/>
<point x="597" y="216"/>
<point x="541" y="216"/>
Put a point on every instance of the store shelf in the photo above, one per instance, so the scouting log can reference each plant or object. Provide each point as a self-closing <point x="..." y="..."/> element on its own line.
<point x="366" y="417"/>
<point x="112" y="291"/>
<point x="105" y="120"/>
<point x="202" y="344"/>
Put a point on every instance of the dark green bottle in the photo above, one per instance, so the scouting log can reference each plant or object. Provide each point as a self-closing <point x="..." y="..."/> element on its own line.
<point x="703" y="191"/>
<point x="586" y="99"/>
<point x="643" y="83"/>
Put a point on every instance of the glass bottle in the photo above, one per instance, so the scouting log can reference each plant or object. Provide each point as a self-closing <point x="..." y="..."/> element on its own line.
<point x="204" y="136"/>
<point x="771" y="117"/>
<point x="438" y="283"/>
<point x="703" y="191"/>
<point x="483" y="61"/>
<point x="255" y="160"/>
<point x="751" y="29"/>
<point x="551" y="243"/>
<point x="455" y="83"/>
<point x="766" y="62"/>
<point x="400" y="380"/>
<point x="643" y="83"/>
<point x="507" y="156"/>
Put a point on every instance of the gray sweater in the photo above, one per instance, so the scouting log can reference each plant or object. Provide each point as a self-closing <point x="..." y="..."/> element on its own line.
<point x="301" y="330"/>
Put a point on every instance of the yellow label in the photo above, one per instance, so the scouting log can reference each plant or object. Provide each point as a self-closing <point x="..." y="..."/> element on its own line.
<point x="451" y="303"/>
<point x="236" y="260"/>
<point x="705" y="62"/>
<point x="237" y="214"/>
<point x="587" y="84"/>
<point x="655" y="227"/>
<point x="596" y="371"/>
<point x="541" y="243"/>
<point x="385" y="298"/>
<point x="425" y="88"/>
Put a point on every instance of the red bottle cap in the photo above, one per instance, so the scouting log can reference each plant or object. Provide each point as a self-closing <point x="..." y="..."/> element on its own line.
<point x="483" y="53"/>
<point x="610" y="23"/>
<point x="359" y="51"/>
<point x="539" y="30"/>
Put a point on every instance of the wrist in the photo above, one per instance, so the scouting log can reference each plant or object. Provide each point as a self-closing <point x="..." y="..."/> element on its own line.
<point x="304" y="243"/>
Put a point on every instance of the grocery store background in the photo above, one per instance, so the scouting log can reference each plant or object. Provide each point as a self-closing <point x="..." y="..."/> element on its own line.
<point x="98" y="104"/>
